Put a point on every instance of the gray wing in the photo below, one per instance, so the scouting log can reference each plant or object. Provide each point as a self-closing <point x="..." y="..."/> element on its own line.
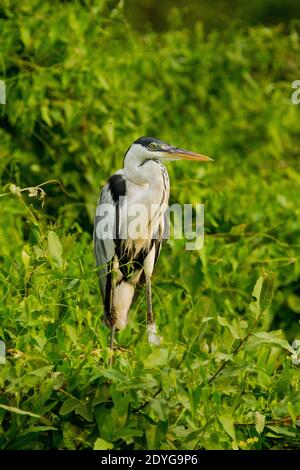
<point x="104" y="245"/>
<point x="106" y="232"/>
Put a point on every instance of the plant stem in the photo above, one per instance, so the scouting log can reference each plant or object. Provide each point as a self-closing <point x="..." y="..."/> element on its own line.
<point x="238" y="347"/>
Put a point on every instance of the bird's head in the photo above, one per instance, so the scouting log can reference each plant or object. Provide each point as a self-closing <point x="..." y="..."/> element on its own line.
<point x="150" y="148"/>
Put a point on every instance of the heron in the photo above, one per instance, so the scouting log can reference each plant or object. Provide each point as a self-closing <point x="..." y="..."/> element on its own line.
<point x="126" y="260"/>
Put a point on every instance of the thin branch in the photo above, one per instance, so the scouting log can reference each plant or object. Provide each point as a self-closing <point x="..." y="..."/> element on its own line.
<point x="38" y="186"/>
<point x="238" y="347"/>
<point x="148" y="401"/>
<point x="286" y="421"/>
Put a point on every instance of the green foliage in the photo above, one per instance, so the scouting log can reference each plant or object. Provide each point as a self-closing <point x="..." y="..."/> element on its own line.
<point x="81" y="87"/>
<point x="215" y="14"/>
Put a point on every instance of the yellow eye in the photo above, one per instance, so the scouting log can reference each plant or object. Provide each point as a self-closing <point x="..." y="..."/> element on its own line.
<point x="153" y="145"/>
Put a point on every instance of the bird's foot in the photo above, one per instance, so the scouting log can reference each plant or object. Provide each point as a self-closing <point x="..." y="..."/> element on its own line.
<point x="153" y="337"/>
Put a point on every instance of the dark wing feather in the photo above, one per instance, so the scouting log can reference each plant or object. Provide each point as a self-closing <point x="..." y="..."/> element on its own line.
<point x="106" y="234"/>
<point x="162" y="231"/>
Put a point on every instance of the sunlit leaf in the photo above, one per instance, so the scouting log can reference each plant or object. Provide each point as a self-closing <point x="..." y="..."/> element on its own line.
<point x="55" y="249"/>
<point x="101" y="444"/>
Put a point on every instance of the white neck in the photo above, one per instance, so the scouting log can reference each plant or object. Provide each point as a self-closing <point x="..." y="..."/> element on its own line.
<point x="142" y="172"/>
<point x="147" y="184"/>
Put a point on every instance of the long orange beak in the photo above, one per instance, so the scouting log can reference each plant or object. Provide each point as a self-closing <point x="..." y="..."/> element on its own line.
<point x="181" y="154"/>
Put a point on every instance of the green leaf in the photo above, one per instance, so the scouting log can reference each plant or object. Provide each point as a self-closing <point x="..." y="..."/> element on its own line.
<point x="257" y="288"/>
<point x="25" y="36"/>
<point x="26" y="256"/>
<point x="108" y="131"/>
<point x="260" y="421"/>
<point x="263" y="292"/>
<point x="101" y="444"/>
<point x="13" y="409"/>
<point x="228" y="424"/>
<point x="68" y="406"/>
<point x="71" y="332"/>
<point x="121" y="402"/>
<point x="38" y="429"/>
<point x="55" y="249"/>
<point x="155" y="434"/>
<point x="156" y="358"/>
<point x="85" y="411"/>
<point x="223" y="322"/>
<point x="195" y="396"/>
<point x="46" y="116"/>
<point x="160" y="408"/>
<point x="271" y="338"/>
<point x="293" y="302"/>
<point x="281" y="430"/>
<point x="267" y="290"/>
<point x="292" y="412"/>
<point x="114" y="375"/>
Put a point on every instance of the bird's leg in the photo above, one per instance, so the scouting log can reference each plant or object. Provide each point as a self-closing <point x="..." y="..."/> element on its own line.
<point x="112" y="316"/>
<point x="152" y="336"/>
<point x="112" y="337"/>
<point x="148" y="268"/>
<point x="150" y="316"/>
<point x="112" y="324"/>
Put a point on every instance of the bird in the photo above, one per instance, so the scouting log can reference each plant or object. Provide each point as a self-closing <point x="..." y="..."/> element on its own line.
<point x="127" y="247"/>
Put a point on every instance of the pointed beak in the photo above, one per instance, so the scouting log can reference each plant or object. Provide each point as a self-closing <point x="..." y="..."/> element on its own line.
<point x="180" y="154"/>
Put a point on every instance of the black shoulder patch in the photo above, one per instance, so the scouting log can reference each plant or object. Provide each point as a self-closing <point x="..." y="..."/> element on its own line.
<point x="117" y="186"/>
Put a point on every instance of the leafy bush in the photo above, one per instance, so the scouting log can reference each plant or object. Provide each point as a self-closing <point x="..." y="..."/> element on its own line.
<point x="81" y="86"/>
